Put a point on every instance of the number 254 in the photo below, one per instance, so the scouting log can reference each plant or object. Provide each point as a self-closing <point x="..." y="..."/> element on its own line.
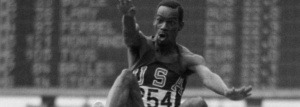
<point x="165" y="101"/>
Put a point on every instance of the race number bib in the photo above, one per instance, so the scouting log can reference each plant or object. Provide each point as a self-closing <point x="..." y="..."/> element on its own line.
<point x="154" y="97"/>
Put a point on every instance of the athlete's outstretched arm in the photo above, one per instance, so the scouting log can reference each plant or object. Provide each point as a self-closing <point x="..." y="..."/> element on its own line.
<point x="215" y="83"/>
<point x="130" y="32"/>
<point x="134" y="39"/>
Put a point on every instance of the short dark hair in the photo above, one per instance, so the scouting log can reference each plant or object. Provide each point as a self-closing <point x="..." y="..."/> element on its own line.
<point x="174" y="5"/>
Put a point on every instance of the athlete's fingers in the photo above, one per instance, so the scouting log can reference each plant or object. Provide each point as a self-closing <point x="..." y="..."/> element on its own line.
<point x="248" y="94"/>
<point x="248" y="89"/>
<point x="232" y="90"/>
<point x="242" y="90"/>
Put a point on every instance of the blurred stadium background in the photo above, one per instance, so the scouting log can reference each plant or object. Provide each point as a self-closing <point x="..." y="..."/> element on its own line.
<point x="67" y="53"/>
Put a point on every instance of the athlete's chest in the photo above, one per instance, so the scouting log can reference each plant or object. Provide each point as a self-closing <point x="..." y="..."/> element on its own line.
<point x="158" y="75"/>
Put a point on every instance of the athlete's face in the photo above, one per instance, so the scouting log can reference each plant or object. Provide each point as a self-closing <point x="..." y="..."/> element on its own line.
<point x="167" y="25"/>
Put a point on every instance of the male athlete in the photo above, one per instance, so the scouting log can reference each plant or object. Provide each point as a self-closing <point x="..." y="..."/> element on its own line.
<point x="159" y="66"/>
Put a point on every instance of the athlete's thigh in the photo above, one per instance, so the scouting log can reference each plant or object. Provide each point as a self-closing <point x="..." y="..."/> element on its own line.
<point x="125" y="92"/>
<point x="135" y="94"/>
<point x="194" y="102"/>
<point x="119" y="93"/>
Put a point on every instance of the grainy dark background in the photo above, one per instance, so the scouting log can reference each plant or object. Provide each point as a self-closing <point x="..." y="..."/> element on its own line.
<point x="78" y="43"/>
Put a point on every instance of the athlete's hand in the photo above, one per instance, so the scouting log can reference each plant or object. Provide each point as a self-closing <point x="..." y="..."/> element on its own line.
<point x="238" y="94"/>
<point x="126" y="7"/>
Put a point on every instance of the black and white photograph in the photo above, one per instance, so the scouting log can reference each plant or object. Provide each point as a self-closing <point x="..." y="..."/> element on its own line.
<point x="149" y="53"/>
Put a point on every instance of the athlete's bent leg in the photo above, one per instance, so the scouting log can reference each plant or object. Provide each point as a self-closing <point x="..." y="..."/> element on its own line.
<point x="135" y="93"/>
<point x="194" y="102"/>
<point x="125" y="92"/>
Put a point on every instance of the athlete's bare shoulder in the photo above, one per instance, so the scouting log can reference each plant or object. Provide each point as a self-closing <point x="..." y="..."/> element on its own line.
<point x="190" y="58"/>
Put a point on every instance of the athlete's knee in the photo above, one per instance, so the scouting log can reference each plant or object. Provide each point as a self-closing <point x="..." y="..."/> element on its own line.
<point x="195" y="102"/>
<point x="126" y="76"/>
<point x="200" y="102"/>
